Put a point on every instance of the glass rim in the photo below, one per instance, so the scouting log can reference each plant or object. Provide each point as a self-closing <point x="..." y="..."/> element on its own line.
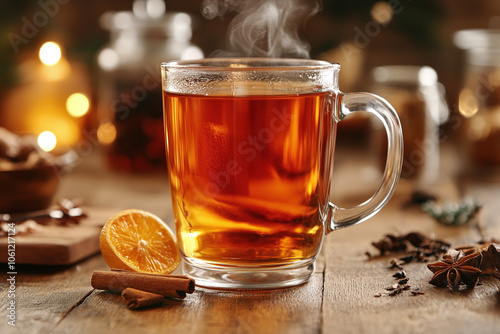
<point x="253" y="64"/>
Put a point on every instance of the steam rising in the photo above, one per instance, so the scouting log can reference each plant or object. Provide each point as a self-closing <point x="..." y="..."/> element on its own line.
<point x="264" y="28"/>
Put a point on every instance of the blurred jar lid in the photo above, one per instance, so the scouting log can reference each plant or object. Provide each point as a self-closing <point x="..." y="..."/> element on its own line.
<point x="148" y="14"/>
<point x="422" y="78"/>
<point x="477" y="38"/>
<point x="146" y="35"/>
<point x="482" y="46"/>
<point x="410" y="75"/>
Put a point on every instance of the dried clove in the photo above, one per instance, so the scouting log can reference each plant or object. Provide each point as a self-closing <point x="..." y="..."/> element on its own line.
<point x="398" y="288"/>
<point x="390" y="243"/>
<point x="399" y="274"/>
<point x="408" y="258"/>
<point x="395" y="264"/>
<point x="416" y="292"/>
<point x="403" y="281"/>
<point x="424" y="247"/>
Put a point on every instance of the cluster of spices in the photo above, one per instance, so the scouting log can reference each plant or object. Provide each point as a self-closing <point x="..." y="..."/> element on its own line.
<point x="64" y="213"/>
<point x="464" y="265"/>
<point x="459" y="268"/>
<point x="424" y="247"/>
<point x="400" y="286"/>
<point x="416" y="247"/>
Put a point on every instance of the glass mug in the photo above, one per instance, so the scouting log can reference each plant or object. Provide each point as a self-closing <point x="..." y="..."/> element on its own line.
<point x="250" y="145"/>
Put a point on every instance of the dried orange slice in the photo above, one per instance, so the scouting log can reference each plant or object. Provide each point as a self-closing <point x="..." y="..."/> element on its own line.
<point x="139" y="241"/>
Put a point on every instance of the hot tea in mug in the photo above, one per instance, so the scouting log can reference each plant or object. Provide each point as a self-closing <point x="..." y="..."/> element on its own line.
<point x="250" y="147"/>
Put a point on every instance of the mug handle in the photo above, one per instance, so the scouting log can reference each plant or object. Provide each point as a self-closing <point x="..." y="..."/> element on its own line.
<point x="349" y="103"/>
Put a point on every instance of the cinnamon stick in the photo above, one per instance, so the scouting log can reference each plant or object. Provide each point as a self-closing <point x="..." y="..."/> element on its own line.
<point x="165" y="285"/>
<point x="137" y="299"/>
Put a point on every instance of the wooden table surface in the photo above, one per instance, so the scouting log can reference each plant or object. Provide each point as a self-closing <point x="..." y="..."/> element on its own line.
<point x="339" y="299"/>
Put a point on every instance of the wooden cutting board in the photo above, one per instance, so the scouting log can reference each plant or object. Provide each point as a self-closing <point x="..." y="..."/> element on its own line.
<point x="59" y="245"/>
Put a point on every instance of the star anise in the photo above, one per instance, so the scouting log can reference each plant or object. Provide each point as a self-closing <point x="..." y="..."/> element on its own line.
<point x="71" y="211"/>
<point x="455" y="269"/>
<point x="490" y="251"/>
<point x="470" y="249"/>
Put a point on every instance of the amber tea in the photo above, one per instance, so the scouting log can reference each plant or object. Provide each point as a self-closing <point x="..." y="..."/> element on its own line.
<point x="245" y="175"/>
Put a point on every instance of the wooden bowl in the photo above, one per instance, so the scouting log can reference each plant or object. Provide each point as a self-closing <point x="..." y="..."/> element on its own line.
<point x="28" y="189"/>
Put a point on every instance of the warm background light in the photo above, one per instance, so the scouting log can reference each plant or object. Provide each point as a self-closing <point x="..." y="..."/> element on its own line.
<point x="77" y="105"/>
<point x="106" y="133"/>
<point x="108" y="59"/>
<point x="382" y="12"/>
<point x="50" y="53"/>
<point x="47" y="141"/>
<point x="467" y="103"/>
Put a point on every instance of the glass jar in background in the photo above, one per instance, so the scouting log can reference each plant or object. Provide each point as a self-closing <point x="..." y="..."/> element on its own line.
<point x="130" y="100"/>
<point x="419" y="100"/>
<point x="479" y="98"/>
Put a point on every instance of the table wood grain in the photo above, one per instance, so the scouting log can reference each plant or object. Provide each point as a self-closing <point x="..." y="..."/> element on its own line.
<point x="340" y="298"/>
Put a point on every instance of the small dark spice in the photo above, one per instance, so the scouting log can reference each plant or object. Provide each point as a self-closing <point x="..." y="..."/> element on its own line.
<point x="422" y="258"/>
<point x="419" y="197"/>
<point x="399" y="274"/>
<point x="456" y="269"/>
<point x="416" y="292"/>
<point x="72" y="213"/>
<point x="418" y="239"/>
<point x="408" y="258"/>
<point x="390" y="243"/>
<point x="396" y="289"/>
<point x="396" y="264"/>
<point x="432" y="247"/>
<point x="403" y="281"/>
<point x="395" y="292"/>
